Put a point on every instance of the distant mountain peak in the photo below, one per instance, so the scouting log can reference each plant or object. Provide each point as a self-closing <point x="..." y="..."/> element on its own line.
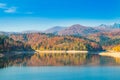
<point x="31" y="31"/>
<point x="54" y="29"/>
<point x="57" y="27"/>
<point x="77" y="25"/>
<point x="116" y="25"/>
<point x="102" y="24"/>
<point x="78" y="29"/>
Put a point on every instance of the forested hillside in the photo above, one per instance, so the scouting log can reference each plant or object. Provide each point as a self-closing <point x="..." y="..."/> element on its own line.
<point x="40" y="41"/>
<point x="108" y="40"/>
<point x="8" y="44"/>
<point x="75" y="37"/>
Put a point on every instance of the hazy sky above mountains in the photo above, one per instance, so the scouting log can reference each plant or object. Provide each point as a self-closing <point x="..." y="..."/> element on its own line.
<point x="21" y="15"/>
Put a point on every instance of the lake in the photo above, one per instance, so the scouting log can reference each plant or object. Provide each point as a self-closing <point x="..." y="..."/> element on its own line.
<point x="60" y="66"/>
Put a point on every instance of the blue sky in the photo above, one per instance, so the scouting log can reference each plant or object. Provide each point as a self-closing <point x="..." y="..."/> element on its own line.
<point x="21" y="15"/>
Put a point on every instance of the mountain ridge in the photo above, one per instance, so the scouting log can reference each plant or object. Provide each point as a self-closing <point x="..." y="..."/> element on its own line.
<point x="54" y="29"/>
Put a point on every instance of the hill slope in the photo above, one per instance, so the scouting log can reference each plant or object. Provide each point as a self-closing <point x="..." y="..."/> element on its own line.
<point x="40" y="41"/>
<point x="54" y="30"/>
<point x="8" y="44"/>
<point x="78" y="30"/>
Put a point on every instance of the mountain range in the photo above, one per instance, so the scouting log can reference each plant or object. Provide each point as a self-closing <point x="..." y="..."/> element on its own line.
<point x="78" y="30"/>
<point x="75" y="37"/>
<point x="75" y="29"/>
<point x="81" y="30"/>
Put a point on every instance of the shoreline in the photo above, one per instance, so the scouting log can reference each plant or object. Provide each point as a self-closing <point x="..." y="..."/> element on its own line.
<point x="70" y="51"/>
<point x="45" y="51"/>
<point x="110" y="54"/>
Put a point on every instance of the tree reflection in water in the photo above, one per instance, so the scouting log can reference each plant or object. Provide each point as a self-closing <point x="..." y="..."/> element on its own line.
<point x="58" y="59"/>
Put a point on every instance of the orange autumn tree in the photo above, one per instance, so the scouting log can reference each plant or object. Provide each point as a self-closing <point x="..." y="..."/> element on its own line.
<point x="116" y="48"/>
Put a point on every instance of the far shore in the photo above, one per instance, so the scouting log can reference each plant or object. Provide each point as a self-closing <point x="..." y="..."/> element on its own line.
<point x="110" y="53"/>
<point x="52" y="51"/>
<point x="45" y="51"/>
<point x="63" y="51"/>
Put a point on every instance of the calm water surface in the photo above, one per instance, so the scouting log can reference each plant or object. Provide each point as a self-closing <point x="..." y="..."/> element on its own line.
<point x="60" y="73"/>
<point x="59" y="67"/>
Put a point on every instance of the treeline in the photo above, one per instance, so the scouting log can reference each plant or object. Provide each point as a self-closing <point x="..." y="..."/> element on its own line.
<point x="8" y="44"/>
<point x="40" y="41"/>
<point x="108" y="40"/>
<point x="116" y="48"/>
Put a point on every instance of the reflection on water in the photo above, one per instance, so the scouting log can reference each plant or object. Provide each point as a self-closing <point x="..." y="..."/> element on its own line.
<point x="57" y="59"/>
